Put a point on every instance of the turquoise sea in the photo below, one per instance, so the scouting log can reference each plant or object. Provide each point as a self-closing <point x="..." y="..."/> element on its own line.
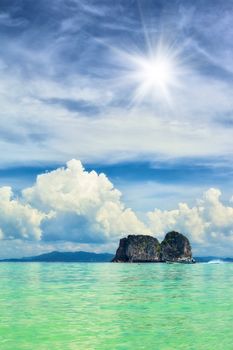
<point x="85" y="306"/>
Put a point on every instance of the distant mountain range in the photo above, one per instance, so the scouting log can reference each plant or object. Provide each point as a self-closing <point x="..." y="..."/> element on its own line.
<point x="65" y="257"/>
<point x="90" y="257"/>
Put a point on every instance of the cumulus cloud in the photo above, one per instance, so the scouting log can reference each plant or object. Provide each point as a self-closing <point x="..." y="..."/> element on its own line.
<point x="205" y="223"/>
<point x="70" y="204"/>
<point x="18" y="220"/>
<point x="87" y="206"/>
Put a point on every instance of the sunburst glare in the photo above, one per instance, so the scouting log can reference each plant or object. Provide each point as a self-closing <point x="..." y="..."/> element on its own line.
<point x="154" y="74"/>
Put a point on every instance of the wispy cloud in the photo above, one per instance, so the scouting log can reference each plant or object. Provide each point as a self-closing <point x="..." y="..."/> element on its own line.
<point x="64" y="94"/>
<point x="63" y="79"/>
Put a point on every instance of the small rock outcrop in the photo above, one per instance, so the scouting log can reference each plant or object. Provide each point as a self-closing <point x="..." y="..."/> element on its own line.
<point x="138" y="248"/>
<point x="176" y="248"/>
<point x="141" y="248"/>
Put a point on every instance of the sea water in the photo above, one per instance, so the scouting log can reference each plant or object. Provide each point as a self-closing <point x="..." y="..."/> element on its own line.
<point x="85" y="306"/>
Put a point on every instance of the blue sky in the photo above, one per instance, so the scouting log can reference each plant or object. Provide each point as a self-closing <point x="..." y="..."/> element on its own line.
<point x="77" y="83"/>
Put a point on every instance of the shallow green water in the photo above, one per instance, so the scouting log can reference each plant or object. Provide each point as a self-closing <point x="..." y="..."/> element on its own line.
<point x="116" y="306"/>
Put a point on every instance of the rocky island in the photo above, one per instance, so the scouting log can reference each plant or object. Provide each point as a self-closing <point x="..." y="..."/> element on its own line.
<point x="143" y="248"/>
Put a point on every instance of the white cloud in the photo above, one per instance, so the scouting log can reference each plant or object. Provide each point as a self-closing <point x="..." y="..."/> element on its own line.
<point x="41" y="75"/>
<point x="36" y="124"/>
<point x="34" y="129"/>
<point x="87" y="206"/>
<point x="18" y="220"/>
<point x="73" y="205"/>
<point x="206" y="223"/>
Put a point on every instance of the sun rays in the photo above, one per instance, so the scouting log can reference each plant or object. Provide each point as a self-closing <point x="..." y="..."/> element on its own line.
<point x="153" y="74"/>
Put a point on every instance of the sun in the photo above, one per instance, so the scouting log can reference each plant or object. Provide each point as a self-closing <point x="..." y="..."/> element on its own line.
<point x="153" y="75"/>
<point x="156" y="72"/>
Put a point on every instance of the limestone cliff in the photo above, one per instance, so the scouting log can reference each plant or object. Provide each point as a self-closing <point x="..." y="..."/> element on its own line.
<point x="141" y="248"/>
<point x="138" y="248"/>
<point x="176" y="248"/>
